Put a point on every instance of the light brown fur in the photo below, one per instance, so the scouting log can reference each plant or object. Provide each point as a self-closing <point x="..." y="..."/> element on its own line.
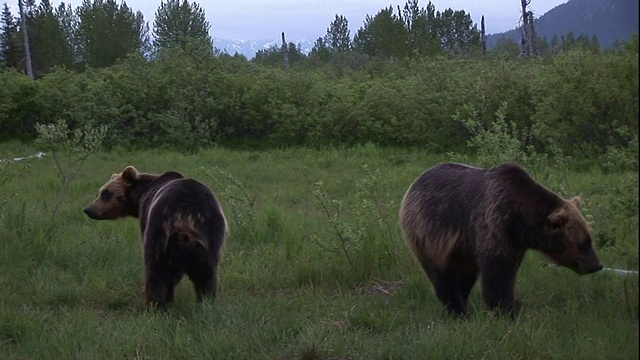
<point x="463" y="222"/>
<point x="179" y="237"/>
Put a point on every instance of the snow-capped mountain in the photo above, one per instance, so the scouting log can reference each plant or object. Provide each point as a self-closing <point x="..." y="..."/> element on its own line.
<point x="249" y="48"/>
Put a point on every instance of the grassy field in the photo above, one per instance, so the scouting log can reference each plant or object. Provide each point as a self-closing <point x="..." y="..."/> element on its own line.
<point x="289" y="289"/>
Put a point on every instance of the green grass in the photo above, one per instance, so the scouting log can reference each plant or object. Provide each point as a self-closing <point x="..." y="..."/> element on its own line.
<point x="71" y="287"/>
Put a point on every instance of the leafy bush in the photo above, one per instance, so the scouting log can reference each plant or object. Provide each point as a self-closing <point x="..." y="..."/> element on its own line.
<point x="188" y="98"/>
<point x="581" y="99"/>
<point x="360" y="230"/>
<point x="69" y="150"/>
<point x="19" y="104"/>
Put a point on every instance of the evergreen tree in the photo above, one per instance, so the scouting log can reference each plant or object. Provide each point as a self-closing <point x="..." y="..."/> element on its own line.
<point x="506" y="47"/>
<point x="594" y="44"/>
<point x="67" y="21"/>
<point x="544" y="48"/>
<point x="568" y="41"/>
<point x="556" y="44"/>
<point x="338" y="37"/>
<point x="179" y="24"/>
<point x="10" y="48"/>
<point x="383" y="35"/>
<point x="320" y="51"/>
<point x="421" y="27"/>
<point x="107" y="32"/>
<point x="458" y="34"/>
<point x="48" y="42"/>
<point x="274" y="56"/>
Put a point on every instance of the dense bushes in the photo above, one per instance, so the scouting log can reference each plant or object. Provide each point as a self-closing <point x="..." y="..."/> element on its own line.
<point x="188" y="98"/>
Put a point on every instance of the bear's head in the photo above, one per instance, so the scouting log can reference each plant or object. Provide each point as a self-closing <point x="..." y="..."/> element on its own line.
<point x="570" y="231"/>
<point x="120" y="196"/>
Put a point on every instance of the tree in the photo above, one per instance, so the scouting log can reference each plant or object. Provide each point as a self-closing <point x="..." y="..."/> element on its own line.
<point x="421" y="27"/>
<point x="458" y="34"/>
<point x="107" y="32"/>
<point x="506" y="47"/>
<point x="25" y="34"/>
<point x="180" y="23"/>
<point x="383" y="35"/>
<point x="529" y="38"/>
<point x="556" y="44"/>
<point x="568" y="41"/>
<point x="320" y="51"/>
<point x="67" y="21"/>
<point x="48" y="41"/>
<point x="273" y="55"/>
<point x="543" y="46"/>
<point x="338" y="37"/>
<point x="594" y="44"/>
<point x="10" y="48"/>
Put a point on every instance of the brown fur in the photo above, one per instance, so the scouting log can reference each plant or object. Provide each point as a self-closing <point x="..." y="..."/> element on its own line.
<point x="461" y="222"/>
<point x="182" y="226"/>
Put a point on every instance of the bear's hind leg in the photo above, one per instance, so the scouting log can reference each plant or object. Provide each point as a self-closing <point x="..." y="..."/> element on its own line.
<point x="445" y="283"/>
<point x="204" y="279"/>
<point x="160" y="283"/>
<point x="156" y="291"/>
<point x="173" y="280"/>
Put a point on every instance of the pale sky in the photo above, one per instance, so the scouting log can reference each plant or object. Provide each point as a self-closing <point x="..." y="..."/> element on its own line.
<point x="309" y="19"/>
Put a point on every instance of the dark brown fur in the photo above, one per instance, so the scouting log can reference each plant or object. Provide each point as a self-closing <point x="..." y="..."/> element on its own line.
<point x="461" y="222"/>
<point x="182" y="226"/>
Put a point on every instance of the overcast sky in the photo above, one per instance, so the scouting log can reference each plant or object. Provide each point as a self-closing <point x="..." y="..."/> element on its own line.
<point x="309" y="19"/>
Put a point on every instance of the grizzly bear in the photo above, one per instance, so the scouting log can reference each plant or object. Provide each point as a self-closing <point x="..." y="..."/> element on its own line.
<point x="461" y="221"/>
<point x="182" y="227"/>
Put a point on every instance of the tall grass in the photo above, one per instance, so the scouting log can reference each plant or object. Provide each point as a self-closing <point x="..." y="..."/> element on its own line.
<point x="73" y="290"/>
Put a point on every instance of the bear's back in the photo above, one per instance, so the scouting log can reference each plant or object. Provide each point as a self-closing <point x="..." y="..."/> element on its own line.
<point x="446" y="188"/>
<point x="180" y="195"/>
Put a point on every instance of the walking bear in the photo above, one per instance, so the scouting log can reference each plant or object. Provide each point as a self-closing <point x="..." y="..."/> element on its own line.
<point x="461" y="221"/>
<point x="182" y="227"/>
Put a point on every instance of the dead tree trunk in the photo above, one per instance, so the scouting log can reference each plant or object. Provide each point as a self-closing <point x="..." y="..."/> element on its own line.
<point x="285" y="55"/>
<point x="483" y="36"/>
<point x="528" y="46"/>
<point x="25" y="37"/>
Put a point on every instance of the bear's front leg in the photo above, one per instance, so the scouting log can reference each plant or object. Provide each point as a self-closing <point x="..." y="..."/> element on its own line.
<point x="498" y="282"/>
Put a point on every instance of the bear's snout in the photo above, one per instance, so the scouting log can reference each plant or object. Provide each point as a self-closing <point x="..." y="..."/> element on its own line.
<point x="92" y="214"/>
<point x="595" y="268"/>
<point x="586" y="269"/>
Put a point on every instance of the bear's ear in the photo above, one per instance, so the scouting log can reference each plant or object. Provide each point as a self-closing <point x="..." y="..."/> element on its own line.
<point x="576" y="201"/>
<point x="130" y="174"/>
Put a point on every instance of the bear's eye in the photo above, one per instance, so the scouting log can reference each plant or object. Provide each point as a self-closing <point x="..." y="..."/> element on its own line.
<point x="105" y="195"/>
<point x="585" y="247"/>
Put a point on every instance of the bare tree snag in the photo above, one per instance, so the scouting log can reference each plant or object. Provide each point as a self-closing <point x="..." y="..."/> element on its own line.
<point x="483" y="36"/>
<point x="284" y="54"/>
<point x="25" y="36"/>
<point x="528" y="45"/>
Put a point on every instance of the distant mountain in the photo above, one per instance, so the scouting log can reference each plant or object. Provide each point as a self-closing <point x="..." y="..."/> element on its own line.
<point x="249" y="48"/>
<point x="609" y="20"/>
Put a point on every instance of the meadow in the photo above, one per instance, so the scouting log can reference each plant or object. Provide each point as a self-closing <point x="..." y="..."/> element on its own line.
<point x="315" y="266"/>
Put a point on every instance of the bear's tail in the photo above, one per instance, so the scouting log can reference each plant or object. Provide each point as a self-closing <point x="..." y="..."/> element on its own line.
<point x="188" y="239"/>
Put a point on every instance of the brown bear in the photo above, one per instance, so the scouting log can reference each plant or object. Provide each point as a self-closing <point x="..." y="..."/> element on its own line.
<point x="182" y="227"/>
<point x="461" y="221"/>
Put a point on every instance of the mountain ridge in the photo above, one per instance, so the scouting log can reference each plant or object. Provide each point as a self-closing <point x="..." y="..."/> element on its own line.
<point x="609" y="20"/>
<point x="249" y="48"/>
